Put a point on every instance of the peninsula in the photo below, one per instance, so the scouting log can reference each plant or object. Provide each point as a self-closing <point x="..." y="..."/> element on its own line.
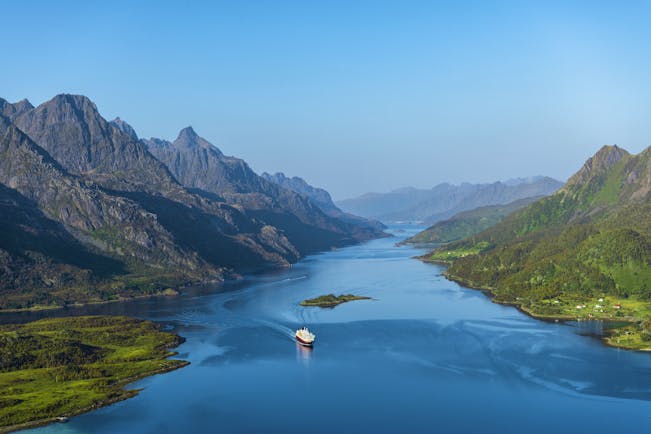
<point x="55" y="368"/>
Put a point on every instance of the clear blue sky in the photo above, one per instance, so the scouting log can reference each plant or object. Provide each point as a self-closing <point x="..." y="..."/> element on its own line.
<point x="354" y="96"/>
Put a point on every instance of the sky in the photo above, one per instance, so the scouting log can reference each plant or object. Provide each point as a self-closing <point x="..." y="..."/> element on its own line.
<point x="353" y="96"/>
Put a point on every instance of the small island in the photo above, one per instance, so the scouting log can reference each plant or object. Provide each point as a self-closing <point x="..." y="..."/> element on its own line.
<point x="332" y="300"/>
<point x="55" y="368"/>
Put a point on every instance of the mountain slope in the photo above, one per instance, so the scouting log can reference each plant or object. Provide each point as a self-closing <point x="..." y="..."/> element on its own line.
<point x="123" y="223"/>
<point x="71" y="129"/>
<point x="322" y="199"/>
<point x="317" y="195"/>
<point x="468" y="223"/>
<point x="199" y="165"/>
<point x="445" y="200"/>
<point x="56" y="221"/>
<point x="591" y="239"/>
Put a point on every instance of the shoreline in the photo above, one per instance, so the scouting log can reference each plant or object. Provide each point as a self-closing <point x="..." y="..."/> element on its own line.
<point x="117" y="389"/>
<point x="608" y="339"/>
<point x="332" y="301"/>
<point x="124" y="396"/>
<point x="228" y="277"/>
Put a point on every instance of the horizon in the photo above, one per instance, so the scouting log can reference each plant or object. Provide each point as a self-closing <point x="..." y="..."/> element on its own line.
<point x="355" y="98"/>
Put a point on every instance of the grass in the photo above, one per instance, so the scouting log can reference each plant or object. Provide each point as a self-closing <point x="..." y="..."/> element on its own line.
<point x="331" y="300"/>
<point x="66" y="366"/>
<point x="461" y="252"/>
<point x="635" y="334"/>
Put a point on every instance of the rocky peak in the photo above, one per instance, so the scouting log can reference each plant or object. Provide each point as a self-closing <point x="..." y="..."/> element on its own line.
<point x="73" y="132"/>
<point x="10" y="110"/>
<point x="153" y="143"/>
<point x="23" y="105"/>
<point x="598" y="164"/>
<point x="189" y="139"/>
<point x="76" y="112"/>
<point x="70" y="104"/>
<point x="188" y="134"/>
<point x="124" y="127"/>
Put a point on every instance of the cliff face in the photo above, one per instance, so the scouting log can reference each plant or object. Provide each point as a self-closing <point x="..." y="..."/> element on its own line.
<point x="72" y="131"/>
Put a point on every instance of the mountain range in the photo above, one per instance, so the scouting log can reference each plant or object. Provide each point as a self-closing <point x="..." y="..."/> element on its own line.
<point x="445" y="200"/>
<point x="91" y="212"/>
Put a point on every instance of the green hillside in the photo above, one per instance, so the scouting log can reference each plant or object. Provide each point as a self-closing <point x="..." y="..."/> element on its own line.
<point x="590" y="241"/>
<point x="468" y="223"/>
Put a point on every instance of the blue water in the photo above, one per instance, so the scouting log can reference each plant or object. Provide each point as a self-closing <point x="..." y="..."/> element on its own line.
<point x="424" y="356"/>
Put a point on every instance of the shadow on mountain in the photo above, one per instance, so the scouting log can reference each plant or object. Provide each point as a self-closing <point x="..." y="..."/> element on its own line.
<point x="206" y="194"/>
<point x="28" y="233"/>
<point x="197" y="231"/>
<point x="306" y="238"/>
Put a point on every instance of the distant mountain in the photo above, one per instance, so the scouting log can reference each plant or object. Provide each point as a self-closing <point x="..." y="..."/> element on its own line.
<point x="90" y="214"/>
<point x="591" y="240"/>
<point x="445" y="200"/>
<point x="320" y="198"/>
<point x="527" y="180"/>
<point x="468" y="223"/>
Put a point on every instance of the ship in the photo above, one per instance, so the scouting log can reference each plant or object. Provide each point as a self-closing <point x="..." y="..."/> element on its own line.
<point x="305" y="337"/>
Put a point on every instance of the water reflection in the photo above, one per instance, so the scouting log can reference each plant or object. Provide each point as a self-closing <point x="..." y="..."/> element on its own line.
<point x="303" y="354"/>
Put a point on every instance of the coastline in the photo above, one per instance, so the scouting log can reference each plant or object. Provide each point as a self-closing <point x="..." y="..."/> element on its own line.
<point x="331" y="301"/>
<point x="173" y="290"/>
<point x="612" y="338"/>
<point x="102" y="381"/>
<point x="124" y="396"/>
<point x="163" y="293"/>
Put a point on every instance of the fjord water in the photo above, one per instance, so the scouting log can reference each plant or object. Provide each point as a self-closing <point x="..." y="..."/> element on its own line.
<point x="424" y="356"/>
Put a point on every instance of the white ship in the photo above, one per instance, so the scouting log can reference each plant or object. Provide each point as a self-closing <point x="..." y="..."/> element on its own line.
<point x="305" y="337"/>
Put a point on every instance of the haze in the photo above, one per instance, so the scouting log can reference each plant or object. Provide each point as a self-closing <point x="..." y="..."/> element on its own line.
<point x="359" y="97"/>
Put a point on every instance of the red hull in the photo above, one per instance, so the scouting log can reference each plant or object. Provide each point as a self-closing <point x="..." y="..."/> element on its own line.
<point x="302" y="342"/>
